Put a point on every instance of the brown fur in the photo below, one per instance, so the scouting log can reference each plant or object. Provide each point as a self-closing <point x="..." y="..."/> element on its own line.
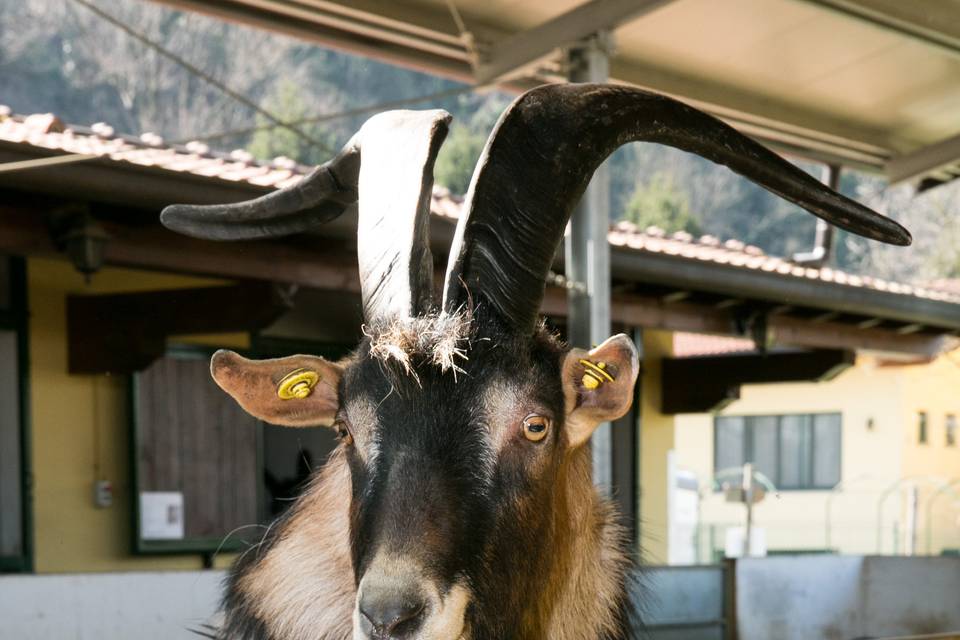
<point x="304" y="586"/>
<point x="585" y="580"/>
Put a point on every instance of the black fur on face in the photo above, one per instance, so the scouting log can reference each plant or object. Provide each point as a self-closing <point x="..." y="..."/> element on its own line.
<point x="443" y="474"/>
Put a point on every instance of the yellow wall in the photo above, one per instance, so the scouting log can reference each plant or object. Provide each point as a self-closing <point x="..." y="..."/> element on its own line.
<point x="872" y="458"/>
<point x="934" y="388"/>
<point x="78" y="419"/>
<point x="656" y="439"/>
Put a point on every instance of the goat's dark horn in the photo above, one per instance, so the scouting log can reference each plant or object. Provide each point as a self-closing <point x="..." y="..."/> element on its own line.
<point x="538" y="162"/>
<point x="393" y="182"/>
<point x="319" y="197"/>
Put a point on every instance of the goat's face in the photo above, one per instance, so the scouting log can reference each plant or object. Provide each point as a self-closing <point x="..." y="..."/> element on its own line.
<point x="454" y="478"/>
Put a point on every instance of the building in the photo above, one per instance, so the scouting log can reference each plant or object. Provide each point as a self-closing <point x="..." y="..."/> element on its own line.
<point x="846" y="456"/>
<point x="121" y="456"/>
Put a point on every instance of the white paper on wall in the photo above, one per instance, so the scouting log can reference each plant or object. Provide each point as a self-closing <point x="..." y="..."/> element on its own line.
<point x="161" y="515"/>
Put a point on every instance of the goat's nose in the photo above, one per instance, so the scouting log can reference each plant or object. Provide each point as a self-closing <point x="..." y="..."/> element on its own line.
<point x="388" y="613"/>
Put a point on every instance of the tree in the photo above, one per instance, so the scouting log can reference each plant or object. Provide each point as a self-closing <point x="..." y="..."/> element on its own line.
<point x="660" y="204"/>
<point x="458" y="157"/>
<point x="287" y="105"/>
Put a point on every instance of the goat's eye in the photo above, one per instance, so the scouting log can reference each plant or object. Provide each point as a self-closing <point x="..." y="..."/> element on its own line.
<point x="343" y="433"/>
<point x="535" y="427"/>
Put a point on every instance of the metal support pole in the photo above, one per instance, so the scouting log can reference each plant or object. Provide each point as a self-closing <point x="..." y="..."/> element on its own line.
<point x="587" y="254"/>
<point x="748" y="501"/>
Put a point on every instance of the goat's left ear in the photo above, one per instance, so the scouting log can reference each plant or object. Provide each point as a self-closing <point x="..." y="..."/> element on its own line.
<point x="598" y="385"/>
<point x="297" y="391"/>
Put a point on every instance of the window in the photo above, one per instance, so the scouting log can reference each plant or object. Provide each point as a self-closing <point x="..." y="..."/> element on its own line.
<point x="922" y="427"/>
<point x="206" y="472"/>
<point x="795" y="451"/>
<point x="14" y="503"/>
<point x="951" y="430"/>
<point x="196" y="458"/>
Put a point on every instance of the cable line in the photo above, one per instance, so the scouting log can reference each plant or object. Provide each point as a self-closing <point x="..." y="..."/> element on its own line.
<point x="196" y="71"/>
<point x="357" y="111"/>
<point x="38" y="163"/>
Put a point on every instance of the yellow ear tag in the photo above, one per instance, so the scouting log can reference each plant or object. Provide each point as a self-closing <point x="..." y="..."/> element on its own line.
<point x="297" y="384"/>
<point x="595" y="374"/>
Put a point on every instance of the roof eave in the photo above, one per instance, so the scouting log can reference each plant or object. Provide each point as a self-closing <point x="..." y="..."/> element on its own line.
<point x="692" y="275"/>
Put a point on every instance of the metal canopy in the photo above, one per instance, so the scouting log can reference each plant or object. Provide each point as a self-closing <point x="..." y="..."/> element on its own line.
<point x="857" y="82"/>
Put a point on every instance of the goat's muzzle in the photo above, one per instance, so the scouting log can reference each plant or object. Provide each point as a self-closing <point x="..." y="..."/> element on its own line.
<point x="390" y="609"/>
<point x="397" y="601"/>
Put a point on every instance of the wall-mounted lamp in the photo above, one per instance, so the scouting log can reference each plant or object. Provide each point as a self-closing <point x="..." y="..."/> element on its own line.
<point x="82" y="238"/>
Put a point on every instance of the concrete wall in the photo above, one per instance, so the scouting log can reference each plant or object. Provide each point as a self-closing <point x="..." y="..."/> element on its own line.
<point x="112" y="606"/>
<point x="79" y="430"/>
<point x="878" y="405"/>
<point x="843" y="597"/>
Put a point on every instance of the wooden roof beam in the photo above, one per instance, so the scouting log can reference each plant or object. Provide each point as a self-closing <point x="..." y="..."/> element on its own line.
<point x="123" y="333"/>
<point x="708" y="383"/>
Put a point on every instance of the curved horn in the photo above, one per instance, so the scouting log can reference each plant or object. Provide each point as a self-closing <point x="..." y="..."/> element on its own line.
<point x="388" y="166"/>
<point x="538" y="162"/>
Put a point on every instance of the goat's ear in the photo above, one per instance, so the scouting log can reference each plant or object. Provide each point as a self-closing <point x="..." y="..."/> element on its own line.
<point x="598" y="385"/>
<point x="297" y="391"/>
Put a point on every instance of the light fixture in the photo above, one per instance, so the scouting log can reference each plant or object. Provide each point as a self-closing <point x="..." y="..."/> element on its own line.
<point x="83" y="240"/>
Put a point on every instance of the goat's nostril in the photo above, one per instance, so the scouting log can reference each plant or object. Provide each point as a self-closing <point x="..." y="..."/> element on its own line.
<point x="391" y="615"/>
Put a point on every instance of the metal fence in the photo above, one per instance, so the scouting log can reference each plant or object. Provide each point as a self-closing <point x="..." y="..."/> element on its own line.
<point x="684" y="602"/>
<point x="801" y="597"/>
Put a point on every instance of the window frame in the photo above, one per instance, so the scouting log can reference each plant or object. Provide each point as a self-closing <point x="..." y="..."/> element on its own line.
<point x="950" y="430"/>
<point x="260" y="348"/>
<point x="747" y="445"/>
<point x="141" y="546"/>
<point x="15" y="318"/>
<point x="923" y="427"/>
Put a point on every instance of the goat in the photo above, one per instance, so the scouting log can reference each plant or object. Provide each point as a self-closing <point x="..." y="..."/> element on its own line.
<point x="459" y="501"/>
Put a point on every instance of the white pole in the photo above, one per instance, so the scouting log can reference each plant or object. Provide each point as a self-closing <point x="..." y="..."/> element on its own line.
<point x="911" y="538"/>
<point x="748" y="500"/>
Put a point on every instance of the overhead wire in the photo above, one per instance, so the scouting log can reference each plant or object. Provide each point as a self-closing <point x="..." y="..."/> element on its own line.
<point x="347" y="113"/>
<point x="275" y="122"/>
<point x="200" y="73"/>
<point x="323" y="117"/>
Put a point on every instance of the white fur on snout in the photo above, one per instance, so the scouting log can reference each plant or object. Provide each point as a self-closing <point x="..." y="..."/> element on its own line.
<point x="443" y="613"/>
<point x="447" y="621"/>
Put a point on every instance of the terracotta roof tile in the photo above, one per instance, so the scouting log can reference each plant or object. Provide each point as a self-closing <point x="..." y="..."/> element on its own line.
<point x="48" y="132"/>
<point x="686" y="345"/>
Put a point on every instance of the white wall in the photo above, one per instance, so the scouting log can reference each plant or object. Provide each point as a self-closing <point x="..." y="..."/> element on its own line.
<point x="108" y="606"/>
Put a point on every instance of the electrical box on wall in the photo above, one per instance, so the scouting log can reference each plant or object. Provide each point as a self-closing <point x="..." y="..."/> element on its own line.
<point x="103" y="493"/>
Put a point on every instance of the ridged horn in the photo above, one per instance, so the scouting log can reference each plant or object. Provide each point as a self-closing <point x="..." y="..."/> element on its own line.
<point x="538" y="162"/>
<point x="388" y="167"/>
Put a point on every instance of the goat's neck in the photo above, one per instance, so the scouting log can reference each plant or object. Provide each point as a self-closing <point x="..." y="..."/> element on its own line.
<point x="588" y="567"/>
<point x="303" y="585"/>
